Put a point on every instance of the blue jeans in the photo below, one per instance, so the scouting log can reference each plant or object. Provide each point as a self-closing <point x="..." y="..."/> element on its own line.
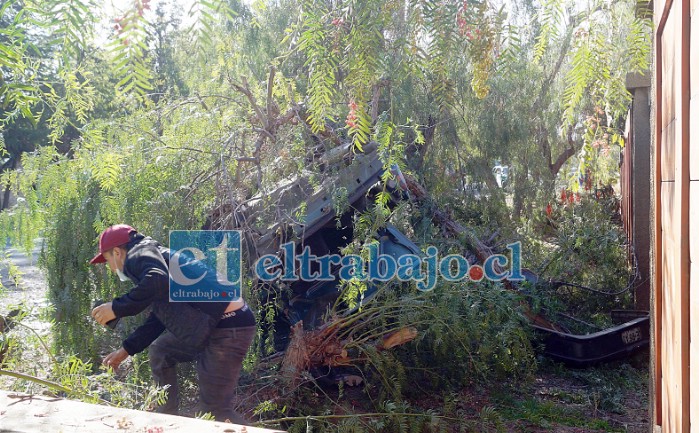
<point x="218" y="369"/>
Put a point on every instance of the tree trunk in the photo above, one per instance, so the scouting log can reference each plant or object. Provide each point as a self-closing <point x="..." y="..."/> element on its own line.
<point x="520" y="182"/>
<point x="8" y="165"/>
<point x="555" y="167"/>
<point x="415" y="152"/>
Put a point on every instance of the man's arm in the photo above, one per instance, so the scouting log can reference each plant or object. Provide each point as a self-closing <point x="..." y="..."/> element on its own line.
<point x="148" y="268"/>
<point x="143" y="336"/>
<point x="139" y="339"/>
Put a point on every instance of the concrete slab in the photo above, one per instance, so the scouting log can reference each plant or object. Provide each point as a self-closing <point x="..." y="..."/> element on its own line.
<point x="25" y="413"/>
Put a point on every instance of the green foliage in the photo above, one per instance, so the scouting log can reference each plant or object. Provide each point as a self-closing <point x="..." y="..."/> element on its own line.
<point x="206" y="120"/>
<point x="29" y="39"/>
<point x="322" y="61"/>
<point x="548" y="415"/>
<point x="467" y="332"/>
<point x="585" y="248"/>
<point x="98" y="187"/>
<point x="610" y="44"/>
<point x="208" y="13"/>
<point x="77" y="99"/>
<point x="128" y="52"/>
<point x="551" y="18"/>
<point x="70" y="23"/>
<point x="33" y="367"/>
<point x="477" y="329"/>
<point x="610" y="385"/>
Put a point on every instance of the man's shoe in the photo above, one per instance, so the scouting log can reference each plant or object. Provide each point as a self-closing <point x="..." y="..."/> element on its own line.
<point x="166" y="409"/>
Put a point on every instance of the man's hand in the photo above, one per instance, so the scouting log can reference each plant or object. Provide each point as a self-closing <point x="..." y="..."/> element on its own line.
<point x="115" y="358"/>
<point x="103" y="313"/>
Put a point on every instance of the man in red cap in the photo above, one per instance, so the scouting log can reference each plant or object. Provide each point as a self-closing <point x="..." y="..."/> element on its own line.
<point x="217" y="335"/>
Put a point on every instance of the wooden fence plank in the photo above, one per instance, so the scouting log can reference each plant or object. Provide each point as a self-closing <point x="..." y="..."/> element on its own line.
<point x="694" y="305"/>
<point x="694" y="131"/>
<point x="669" y="66"/>
<point x="667" y="152"/>
<point x="694" y="96"/>
<point x="694" y="349"/>
<point x="671" y="374"/>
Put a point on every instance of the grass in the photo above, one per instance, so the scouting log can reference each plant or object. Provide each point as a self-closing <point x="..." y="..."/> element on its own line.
<point x="594" y="399"/>
<point x="546" y="414"/>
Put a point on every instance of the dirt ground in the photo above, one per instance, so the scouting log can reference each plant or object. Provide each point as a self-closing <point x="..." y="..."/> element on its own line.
<point x="24" y="287"/>
<point x="23" y="282"/>
<point x="564" y="400"/>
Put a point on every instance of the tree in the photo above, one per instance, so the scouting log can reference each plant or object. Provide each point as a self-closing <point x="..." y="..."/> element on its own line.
<point x="445" y="88"/>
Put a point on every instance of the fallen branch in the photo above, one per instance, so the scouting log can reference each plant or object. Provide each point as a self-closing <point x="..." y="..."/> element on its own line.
<point x="46" y="383"/>
<point x="482" y="251"/>
<point x="358" y="415"/>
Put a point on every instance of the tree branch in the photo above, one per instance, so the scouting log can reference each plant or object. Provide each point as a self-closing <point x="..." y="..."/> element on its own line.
<point x="563" y="157"/>
<point x="46" y="383"/>
<point x="452" y="228"/>
<point x="376" y="94"/>
<point x="270" y="87"/>
<point x="245" y="90"/>
<point x="546" y="85"/>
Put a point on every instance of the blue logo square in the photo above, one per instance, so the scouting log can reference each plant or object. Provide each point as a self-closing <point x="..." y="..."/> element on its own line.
<point x="205" y="265"/>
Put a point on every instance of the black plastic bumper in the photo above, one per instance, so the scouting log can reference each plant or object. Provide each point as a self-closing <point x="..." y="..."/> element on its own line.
<point x="607" y="345"/>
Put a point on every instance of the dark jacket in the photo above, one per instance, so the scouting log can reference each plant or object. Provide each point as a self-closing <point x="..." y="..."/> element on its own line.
<point x="147" y="265"/>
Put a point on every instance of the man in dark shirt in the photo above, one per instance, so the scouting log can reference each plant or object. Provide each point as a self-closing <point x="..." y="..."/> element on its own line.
<point x="217" y="335"/>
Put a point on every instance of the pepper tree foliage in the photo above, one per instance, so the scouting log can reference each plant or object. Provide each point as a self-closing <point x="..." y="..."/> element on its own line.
<point x="546" y="88"/>
<point x="447" y="87"/>
<point x="29" y="28"/>
<point x="43" y="94"/>
<point x="47" y="46"/>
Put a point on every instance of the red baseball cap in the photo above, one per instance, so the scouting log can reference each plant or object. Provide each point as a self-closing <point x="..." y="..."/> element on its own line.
<point x="112" y="237"/>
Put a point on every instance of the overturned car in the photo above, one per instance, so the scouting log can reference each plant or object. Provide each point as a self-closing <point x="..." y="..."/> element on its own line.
<point x="308" y="215"/>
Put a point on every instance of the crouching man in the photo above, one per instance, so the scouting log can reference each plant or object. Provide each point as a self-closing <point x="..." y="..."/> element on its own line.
<point x="217" y="335"/>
